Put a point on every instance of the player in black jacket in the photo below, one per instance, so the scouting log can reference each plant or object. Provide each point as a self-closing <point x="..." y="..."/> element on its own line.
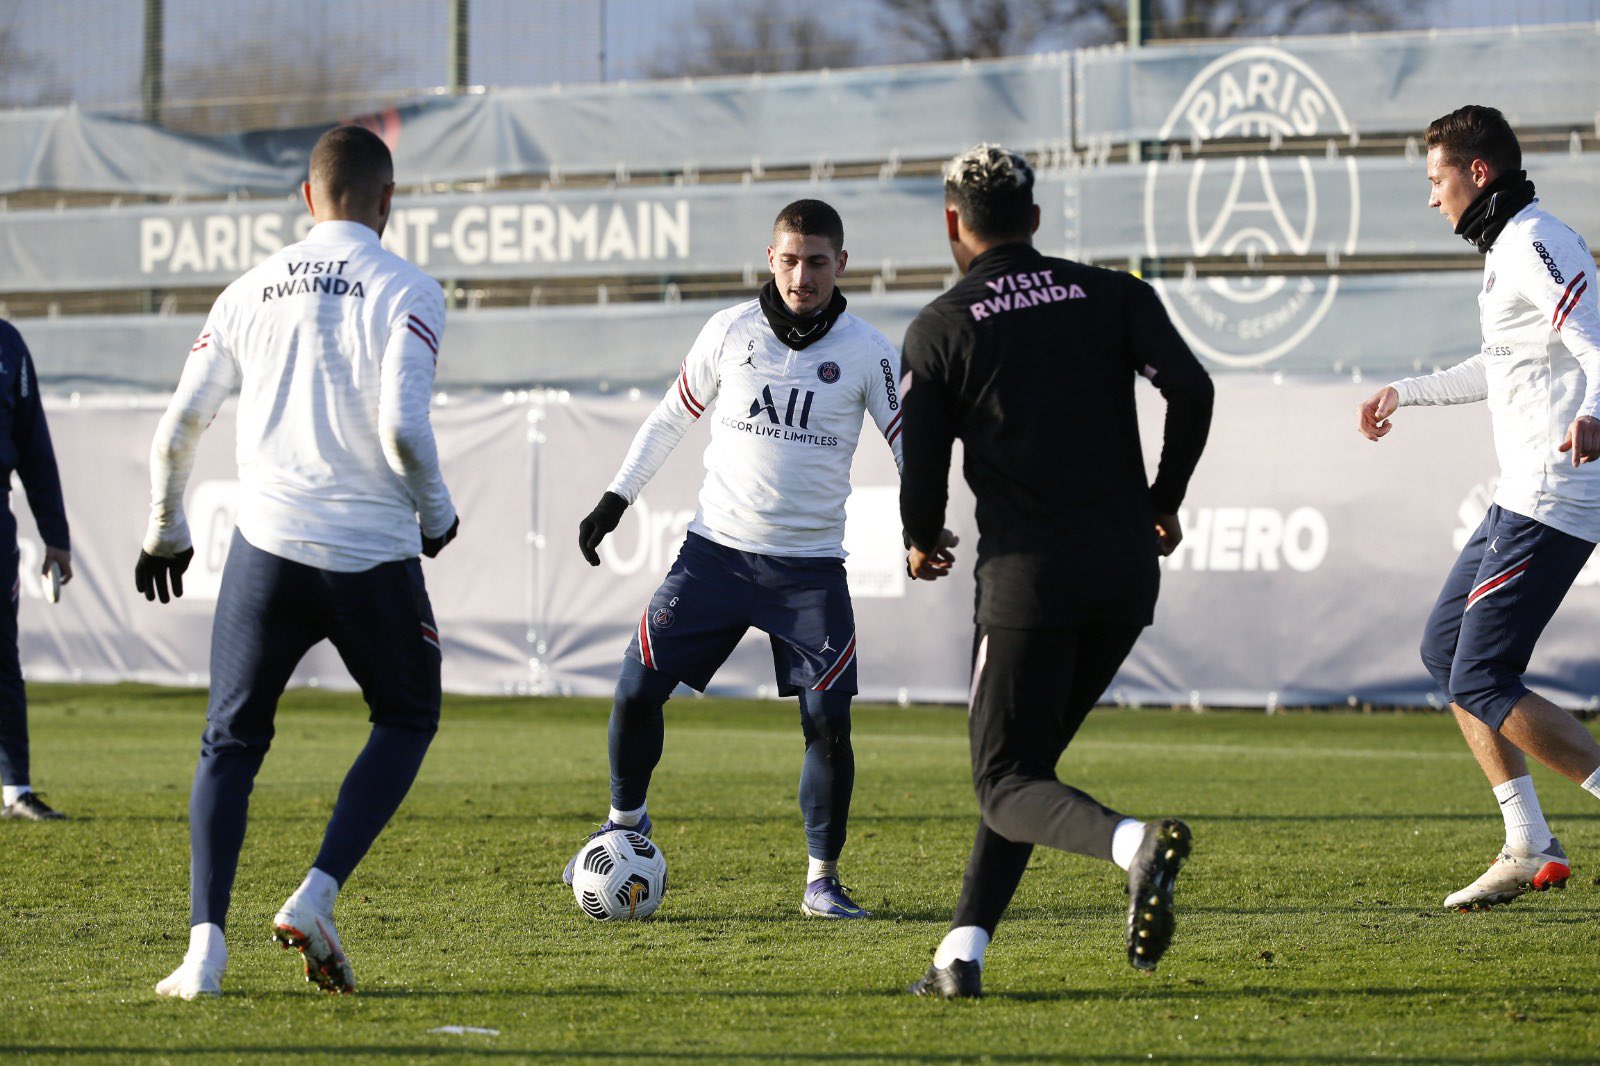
<point x="1030" y="361"/>
<point x="24" y="448"/>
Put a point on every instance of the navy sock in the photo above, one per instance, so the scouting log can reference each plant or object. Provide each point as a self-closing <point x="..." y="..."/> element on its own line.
<point x="372" y="791"/>
<point x="828" y="775"/>
<point x="219" y="805"/>
<point x="637" y="732"/>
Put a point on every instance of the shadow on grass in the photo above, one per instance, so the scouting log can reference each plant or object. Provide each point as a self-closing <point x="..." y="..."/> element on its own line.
<point x="458" y="1048"/>
<point x="1138" y="989"/>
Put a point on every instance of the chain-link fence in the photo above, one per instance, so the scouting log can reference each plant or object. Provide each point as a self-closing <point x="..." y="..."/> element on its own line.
<point x="226" y="65"/>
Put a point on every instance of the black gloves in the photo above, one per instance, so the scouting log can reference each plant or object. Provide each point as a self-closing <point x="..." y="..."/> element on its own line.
<point x="602" y="520"/>
<point x="151" y="571"/>
<point x="432" y="546"/>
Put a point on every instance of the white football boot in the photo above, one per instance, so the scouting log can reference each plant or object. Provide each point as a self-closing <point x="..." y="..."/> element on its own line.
<point x="1510" y="875"/>
<point x="310" y="931"/>
<point x="194" y="977"/>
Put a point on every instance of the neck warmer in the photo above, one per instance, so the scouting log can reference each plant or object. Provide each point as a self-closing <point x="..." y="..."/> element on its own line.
<point x="1499" y="201"/>
<point x="799" y="332"/>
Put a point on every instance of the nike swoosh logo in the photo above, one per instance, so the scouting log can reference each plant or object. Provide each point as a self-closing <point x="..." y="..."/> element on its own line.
<point x="1507" y="800"/>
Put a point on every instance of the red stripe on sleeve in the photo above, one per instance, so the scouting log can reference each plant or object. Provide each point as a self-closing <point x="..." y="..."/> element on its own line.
<point x="423" y="326"/>
<point x="1575" y="298"/>
<point x="695" y="407"/>
<point x="432" y="347"/>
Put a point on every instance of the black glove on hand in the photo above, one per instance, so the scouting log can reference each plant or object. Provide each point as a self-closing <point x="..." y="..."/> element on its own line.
<point x="432" y="546"/>
<point x="151" y="571"/>
<point x="602" y="520"/>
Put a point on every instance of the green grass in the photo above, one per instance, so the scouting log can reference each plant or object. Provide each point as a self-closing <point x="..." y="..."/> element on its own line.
<point x="1310" y="928"/>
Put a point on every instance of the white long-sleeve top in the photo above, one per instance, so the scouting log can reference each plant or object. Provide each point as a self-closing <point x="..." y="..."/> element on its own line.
<point x="1539" y="369"/>
<point x="784" y="429"/>
<point x="333" y="343"/>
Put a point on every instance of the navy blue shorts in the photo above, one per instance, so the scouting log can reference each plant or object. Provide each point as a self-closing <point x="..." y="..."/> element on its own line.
<point x="271" y="611"/>
<point x="713" y="595"/>
<point x="1503" y="590"/>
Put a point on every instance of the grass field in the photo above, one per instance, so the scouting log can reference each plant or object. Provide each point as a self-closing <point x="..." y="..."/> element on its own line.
<point x="1310" y="927"/>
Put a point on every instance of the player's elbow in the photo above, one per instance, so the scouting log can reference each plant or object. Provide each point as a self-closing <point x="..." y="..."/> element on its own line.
<point x="401" y="445"/>
<point x="177" y="435"/>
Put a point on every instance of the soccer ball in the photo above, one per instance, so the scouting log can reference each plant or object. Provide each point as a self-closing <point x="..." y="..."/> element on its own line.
<point x="619" y="875"/>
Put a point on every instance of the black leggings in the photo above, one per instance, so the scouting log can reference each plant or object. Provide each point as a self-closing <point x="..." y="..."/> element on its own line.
<point x="1032" y="689"/>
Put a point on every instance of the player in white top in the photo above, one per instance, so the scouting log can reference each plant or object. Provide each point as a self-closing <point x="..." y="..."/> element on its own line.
<point x="783" y="381"/>
<point x="1539" y="370"/>
<point x="332" y="343"/>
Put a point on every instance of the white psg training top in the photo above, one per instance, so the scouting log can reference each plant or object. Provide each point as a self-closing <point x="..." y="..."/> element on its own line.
<point x="784" y="427"/>
<point x="333" y="343"/>
<point x="1539" y="369"/>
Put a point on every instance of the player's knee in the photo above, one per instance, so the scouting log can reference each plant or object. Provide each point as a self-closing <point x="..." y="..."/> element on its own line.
<point x="641" y="693"/>
<point x="419" y="716"/>
<point x="1438" y="660"/>
<point x="1486" y="690"/>
<point x="992" y="784"/>
<point x="830" y="729"/>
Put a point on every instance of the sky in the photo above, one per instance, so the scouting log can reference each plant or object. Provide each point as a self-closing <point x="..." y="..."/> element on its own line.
<point x="89" y="51"/>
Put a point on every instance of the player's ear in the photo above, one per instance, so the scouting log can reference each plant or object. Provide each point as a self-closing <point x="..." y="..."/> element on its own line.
<point x="952" y="223"/>
<point x="844" y="257"/>
<point x="305" y="193"/>
<point x="772" y="260"/>
<point x="1034" y="227"/>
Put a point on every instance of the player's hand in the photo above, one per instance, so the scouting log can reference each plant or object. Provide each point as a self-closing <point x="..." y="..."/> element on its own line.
<point x="602" y="520"/>
<point x="1169" y="533"/>
<point x="60" y="557"/>
<point x="1375" y="413"/>
<point x="432" y="546"/>
<point x="150" y="574"/>
<point x="1583" y="440"/>
<point x="931" y="566"/>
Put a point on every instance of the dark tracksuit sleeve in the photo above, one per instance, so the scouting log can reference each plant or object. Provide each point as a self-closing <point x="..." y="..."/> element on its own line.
<point x="1161" y="355"/>
<point x="36" y="457"/>
<point x="929" y="415"/>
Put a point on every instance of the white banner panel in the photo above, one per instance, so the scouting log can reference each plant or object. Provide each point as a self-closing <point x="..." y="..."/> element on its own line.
<point x="1310" y="560"/>
<point x="103" y="630"/>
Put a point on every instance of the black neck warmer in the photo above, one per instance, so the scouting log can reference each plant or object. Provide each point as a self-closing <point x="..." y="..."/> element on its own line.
<point x="799" y="332"/>
<point x="1499" y="201"/>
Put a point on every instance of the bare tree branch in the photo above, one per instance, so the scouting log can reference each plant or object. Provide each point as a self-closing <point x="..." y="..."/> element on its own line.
<point x="30" y="79"/>
<point x="757" y="38"/>
<point x="974" y="29"/>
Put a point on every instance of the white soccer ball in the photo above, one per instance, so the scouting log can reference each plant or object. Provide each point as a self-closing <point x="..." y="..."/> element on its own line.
<point x="619" y="876"/>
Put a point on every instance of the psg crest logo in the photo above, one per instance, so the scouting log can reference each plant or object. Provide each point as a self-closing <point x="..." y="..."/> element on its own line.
<point x="662" y="619"/>
<point x="828" y="373"/>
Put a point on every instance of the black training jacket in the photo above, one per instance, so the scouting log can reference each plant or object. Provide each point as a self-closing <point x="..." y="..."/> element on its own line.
<point x="25" y="441"/>
<point x="1030" y="361"/>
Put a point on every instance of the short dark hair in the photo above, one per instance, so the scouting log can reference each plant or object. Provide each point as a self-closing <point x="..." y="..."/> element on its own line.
<point x="1476" y="132"/>
<point x="352" y="166"/>
<point x="811" y="218"/>
<point x="991" y="189"/>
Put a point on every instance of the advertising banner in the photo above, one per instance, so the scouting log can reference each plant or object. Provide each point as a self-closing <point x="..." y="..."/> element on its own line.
<point x="693" y="229"/>
<point x="1310" y="558"/>
<point x="1334" y="87"/>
